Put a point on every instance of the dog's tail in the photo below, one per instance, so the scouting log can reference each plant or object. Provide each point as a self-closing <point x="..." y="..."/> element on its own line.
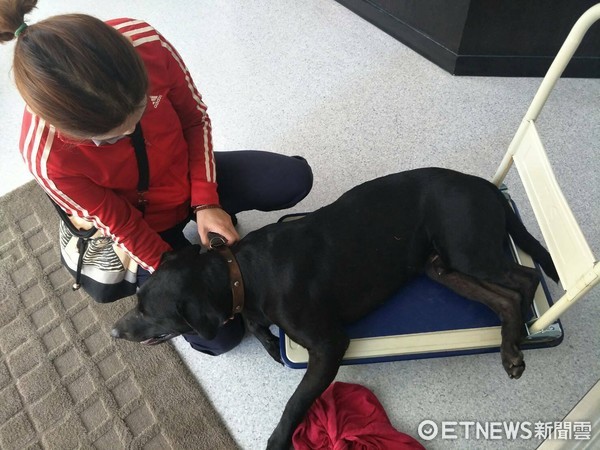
<point x="527" y="242"/>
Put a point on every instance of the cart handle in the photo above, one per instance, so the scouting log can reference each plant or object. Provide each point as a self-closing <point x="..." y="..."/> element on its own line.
<point x="555" y="71"/>
<point x="561" y="60"/>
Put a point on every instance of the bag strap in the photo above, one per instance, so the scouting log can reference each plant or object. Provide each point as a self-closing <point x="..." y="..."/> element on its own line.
<point x="137" y="138"/>
<point x="85" y="234"/>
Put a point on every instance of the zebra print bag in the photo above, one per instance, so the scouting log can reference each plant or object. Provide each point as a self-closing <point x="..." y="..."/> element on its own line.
<point x="103" y="269"/>
<point x="100" y="266"/>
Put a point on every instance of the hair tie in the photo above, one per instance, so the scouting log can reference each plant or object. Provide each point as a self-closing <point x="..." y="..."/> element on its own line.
<point x="21" y="28"/>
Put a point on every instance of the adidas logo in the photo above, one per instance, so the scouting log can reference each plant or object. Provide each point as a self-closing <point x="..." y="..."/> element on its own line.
<point x="155" y="99"/>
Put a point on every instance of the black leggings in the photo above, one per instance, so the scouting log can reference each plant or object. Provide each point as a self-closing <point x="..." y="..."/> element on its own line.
<point x="247" y="180"/>
<point x="264" y="181"/>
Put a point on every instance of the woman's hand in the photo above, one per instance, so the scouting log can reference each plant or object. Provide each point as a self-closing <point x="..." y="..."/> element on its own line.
<point x="217" y="221"/>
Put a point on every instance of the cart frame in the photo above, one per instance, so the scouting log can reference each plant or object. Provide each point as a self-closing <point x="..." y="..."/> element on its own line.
<point x="578" y="268"/>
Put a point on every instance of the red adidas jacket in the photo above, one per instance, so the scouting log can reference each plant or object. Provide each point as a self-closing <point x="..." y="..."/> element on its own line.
<point x="99" y="183"/>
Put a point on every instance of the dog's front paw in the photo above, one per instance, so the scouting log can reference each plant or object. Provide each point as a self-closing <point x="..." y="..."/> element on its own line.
<point x="513" y="362"/>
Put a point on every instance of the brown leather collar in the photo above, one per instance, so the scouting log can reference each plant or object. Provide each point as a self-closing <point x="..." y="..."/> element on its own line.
<point x="219" y="243"/>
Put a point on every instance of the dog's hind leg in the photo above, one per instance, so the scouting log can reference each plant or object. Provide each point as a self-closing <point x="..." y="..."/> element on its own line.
<point x="268" y="340"/>
<point x="503" y="301"/>
<point x="524" y="280"/>
<point x="530" y="279"/>
<point x="521" y="279"/>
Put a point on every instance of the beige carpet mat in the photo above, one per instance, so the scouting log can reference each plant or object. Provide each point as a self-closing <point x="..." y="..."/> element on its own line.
<point x="64" y="382"/>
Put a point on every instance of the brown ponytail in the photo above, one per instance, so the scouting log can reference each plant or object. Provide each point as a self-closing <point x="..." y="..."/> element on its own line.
<point x="76" y="72"/>
<point x="12" y="15"/>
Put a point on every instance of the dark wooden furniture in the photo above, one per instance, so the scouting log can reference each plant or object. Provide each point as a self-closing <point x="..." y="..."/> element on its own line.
<point x="517" y="38"/>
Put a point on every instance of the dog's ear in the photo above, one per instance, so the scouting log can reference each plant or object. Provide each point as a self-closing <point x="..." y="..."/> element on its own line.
<point x="167" y="256"/>
<point x="205" y="323"/>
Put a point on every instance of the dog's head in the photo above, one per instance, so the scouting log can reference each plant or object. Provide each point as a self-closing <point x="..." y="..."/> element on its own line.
<point x="187" y="294"/>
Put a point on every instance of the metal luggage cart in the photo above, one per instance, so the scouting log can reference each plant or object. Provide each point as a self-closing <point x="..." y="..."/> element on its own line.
<point x="443" y="324"/>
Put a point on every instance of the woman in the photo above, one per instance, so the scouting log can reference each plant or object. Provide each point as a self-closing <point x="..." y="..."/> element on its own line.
<point x="86" y="85"/>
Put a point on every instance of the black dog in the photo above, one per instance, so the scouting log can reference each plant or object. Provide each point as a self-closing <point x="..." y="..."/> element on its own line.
<point x="312" y="275"/>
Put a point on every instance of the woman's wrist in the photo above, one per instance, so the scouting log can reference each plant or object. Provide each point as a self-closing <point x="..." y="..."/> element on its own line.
<point x="197" y="208"/>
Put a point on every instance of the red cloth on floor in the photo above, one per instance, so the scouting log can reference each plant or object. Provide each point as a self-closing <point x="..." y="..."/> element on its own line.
<point x="349" y="417"/>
